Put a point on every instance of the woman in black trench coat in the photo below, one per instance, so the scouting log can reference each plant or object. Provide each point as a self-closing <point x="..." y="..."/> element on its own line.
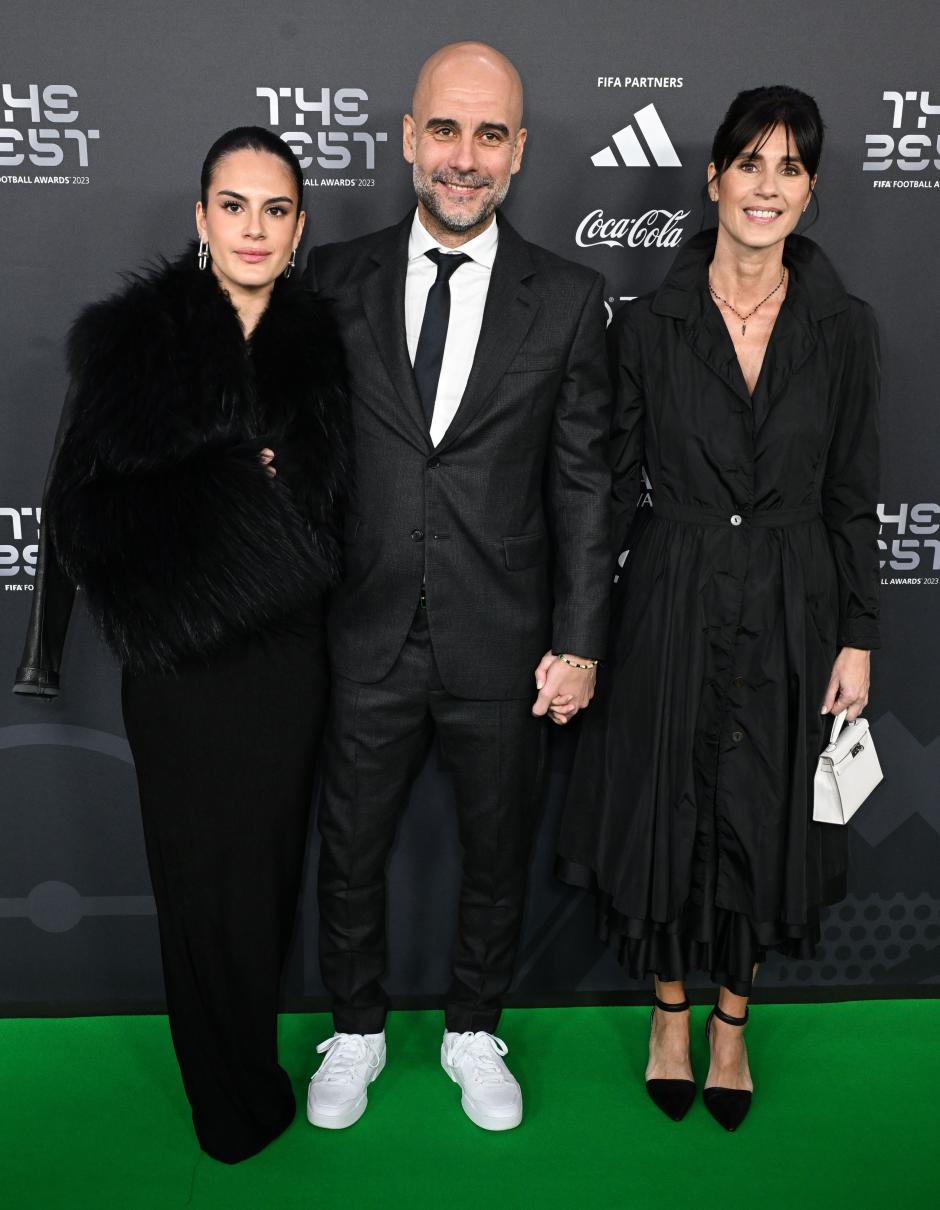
<point x="746" y="610"/>
<point x="193" y="497"/>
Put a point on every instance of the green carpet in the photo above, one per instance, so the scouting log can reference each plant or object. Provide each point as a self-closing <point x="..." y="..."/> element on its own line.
<point x="92" y="1115"/>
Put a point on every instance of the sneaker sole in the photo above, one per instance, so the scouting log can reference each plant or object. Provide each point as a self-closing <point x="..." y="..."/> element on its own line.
<point x="488" y="1121"/>
<point x="348" y="1116"/>
<point x="481" y="1117"/>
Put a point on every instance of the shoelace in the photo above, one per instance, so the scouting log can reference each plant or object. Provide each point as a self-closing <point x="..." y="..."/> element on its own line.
<point x="344" y="1053"/>
<point x="481" y="1047"/>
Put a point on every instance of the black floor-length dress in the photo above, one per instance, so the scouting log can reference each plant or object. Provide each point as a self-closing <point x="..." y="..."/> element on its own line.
<point x="207" y="577"/>
<point x="225" y="753"/>
<point x="690" y="805"/>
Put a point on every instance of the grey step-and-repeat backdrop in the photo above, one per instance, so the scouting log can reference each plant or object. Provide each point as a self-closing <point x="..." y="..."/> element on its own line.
<point x="106" y="112"/>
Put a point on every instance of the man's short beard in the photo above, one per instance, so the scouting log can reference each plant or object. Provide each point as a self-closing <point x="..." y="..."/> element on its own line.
<point x="457" y="223"/>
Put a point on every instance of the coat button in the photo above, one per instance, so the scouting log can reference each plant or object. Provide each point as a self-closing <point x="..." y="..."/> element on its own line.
<point x="735" y="518"/>
<point x="737" y="736"/>
<point x="433" y="464"/>
<point x="417" y="535"/>
<point x="738" y="682"/>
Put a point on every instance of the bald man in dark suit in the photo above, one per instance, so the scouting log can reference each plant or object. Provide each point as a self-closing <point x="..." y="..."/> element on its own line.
<point x="477" y="564"/>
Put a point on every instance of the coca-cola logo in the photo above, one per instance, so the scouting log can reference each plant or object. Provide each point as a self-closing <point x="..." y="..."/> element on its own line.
<point x="654" y="229"/>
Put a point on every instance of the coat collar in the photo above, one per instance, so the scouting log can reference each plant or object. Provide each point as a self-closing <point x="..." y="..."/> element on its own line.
<point x="811" y="271"/>
<point x="510" y="308"/>
<point x="814" y="293"/>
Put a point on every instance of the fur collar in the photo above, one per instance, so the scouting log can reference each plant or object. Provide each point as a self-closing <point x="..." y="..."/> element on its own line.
<point x="157" y="502"/>
<point x="173" y="336"/>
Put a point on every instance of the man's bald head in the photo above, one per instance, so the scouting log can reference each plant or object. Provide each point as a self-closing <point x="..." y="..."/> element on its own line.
<point x="470" y="66"/>
<point x="463" y="138"/>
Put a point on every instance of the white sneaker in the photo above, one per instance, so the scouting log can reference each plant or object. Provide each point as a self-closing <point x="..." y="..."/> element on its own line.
<point x="338" y="1092"/>
<point x="492" y="1098"/>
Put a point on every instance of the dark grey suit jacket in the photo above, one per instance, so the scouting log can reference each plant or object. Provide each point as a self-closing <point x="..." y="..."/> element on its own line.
<point x="506" y="520"/>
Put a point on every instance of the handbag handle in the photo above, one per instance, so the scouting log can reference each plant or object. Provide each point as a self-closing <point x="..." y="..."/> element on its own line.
<point x="837" y="725"/>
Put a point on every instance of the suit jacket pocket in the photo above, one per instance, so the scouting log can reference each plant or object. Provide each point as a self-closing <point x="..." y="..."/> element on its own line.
<point x="527" y="550"/>
<point x="535" y="362"/>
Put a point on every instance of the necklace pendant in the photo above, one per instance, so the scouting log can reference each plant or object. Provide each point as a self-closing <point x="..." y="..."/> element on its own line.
<point x="743" y="328"/>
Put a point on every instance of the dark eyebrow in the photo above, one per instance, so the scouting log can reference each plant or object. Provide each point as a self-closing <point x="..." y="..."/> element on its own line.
<point x="498" y="127"/>
<point x="757" y="155"/>
<point x="241" y="198"/>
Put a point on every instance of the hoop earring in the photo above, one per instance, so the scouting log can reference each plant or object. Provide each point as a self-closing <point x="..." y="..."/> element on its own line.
<point x="291" y="264"/>
<point x="202" y="256"/>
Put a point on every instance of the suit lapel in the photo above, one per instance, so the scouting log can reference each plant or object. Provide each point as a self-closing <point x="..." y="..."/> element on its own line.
<point x="507" y="316"/>
<point x="383" y="301"/>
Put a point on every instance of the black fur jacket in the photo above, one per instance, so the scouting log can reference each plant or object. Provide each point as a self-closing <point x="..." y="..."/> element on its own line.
<point x="157" y="504"/>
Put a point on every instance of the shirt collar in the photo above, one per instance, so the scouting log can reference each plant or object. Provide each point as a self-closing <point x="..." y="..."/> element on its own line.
<point x="482" y="248"/>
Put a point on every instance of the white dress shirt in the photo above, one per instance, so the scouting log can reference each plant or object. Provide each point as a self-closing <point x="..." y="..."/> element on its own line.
<point x="468" y="287"/>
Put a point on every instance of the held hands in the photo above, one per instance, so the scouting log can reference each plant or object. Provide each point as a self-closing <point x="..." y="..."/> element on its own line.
<point x="849" y="683"/>
<point x="562" y="690"/>
<point x="265" y="457"/>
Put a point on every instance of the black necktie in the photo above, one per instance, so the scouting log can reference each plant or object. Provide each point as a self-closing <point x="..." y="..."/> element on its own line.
<point x="430" y="351"/>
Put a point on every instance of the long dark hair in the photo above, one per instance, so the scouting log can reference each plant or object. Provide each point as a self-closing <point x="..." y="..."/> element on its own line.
<point x="249" y="138"/>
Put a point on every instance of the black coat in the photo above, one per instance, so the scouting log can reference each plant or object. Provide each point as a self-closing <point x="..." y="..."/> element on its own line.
<point x="758" y="562"/>
<point x="506" y="521"/>
<point x="156" y="504"/>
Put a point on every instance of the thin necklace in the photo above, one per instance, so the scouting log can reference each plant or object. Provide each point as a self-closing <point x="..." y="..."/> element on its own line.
<point x="745" y="318"/>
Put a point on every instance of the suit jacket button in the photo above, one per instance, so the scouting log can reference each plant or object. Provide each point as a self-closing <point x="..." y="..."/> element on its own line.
<point x="417" y="535"/>
<point x="735" y="519"/>
<point x="737" y="736"/>
<point x="433" y="464"/>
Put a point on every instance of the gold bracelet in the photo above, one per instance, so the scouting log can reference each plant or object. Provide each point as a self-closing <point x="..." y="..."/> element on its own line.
<point x="574" y="663"/>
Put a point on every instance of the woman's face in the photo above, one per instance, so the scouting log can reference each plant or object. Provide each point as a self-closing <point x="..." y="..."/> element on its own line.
<point x="762" y="193"/>
<point x="251" y="221"/>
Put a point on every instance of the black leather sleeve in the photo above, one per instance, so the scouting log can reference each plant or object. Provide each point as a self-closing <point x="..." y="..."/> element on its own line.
<point x="53" y="597"/>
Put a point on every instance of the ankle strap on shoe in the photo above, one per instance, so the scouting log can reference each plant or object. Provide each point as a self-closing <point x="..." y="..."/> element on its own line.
<point x="672" y="1008"/>
<point x="728" y="1019"/>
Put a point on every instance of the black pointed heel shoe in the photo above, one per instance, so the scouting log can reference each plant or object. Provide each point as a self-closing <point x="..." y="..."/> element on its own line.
<point x="673" y="1097"/>
<point x="728" y="1106"/>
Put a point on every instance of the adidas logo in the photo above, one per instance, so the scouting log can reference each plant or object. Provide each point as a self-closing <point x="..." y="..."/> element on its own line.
<point x="631" y="149"/>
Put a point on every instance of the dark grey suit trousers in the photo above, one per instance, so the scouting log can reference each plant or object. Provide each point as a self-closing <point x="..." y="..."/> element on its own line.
<point x="377" y="740"/>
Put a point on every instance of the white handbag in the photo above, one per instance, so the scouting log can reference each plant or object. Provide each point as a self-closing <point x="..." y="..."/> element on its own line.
<point x="847" y="772"/>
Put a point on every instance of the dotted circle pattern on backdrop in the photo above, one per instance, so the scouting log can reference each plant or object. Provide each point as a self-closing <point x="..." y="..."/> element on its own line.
<point x="54" y="907"/>
<point x="864" y="937"/>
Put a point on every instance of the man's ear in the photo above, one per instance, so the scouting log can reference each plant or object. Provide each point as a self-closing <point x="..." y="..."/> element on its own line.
<point x="408" y="138"/>
<point x="518" y="148"/>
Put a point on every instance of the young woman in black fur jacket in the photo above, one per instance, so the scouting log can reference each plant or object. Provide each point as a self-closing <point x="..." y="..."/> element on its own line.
<point x="194" y="498"/>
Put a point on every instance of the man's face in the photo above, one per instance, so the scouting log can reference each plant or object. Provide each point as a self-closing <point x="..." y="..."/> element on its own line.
<point x="464" y="142"/>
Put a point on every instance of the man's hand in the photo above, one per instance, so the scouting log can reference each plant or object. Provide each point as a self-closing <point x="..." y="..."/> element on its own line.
<point x="562" y="690"/>
<point x="849" y="683"/>
<point x="265" y="458"/>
